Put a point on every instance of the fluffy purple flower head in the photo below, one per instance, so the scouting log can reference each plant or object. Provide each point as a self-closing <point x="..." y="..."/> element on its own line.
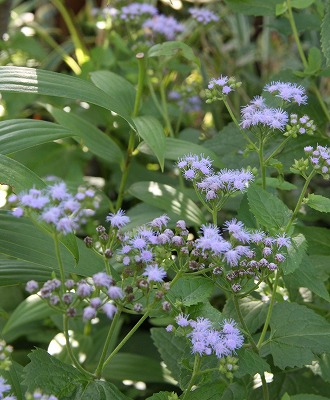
<point x="203" y="15"/>
<point x="109" y="309"/>
<point x="154" y="273"/>
<point x="160" y="222"/>
<point x="168" y="27"/>
<point x="89" y="313"/>
<point x="115" y="292"/>
<point x="287" y="91"/>
<point x="118" y="219"/>
<point x="102" y="279"/>
<point x="32" y="286"/>
<point x="182" y="320"/>
<point x="134" y="11"/>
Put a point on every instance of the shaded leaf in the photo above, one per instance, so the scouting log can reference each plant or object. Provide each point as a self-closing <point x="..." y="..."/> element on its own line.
<point x="296" y="253"/>
<point x="317" y="202"/>
<point x="250" y="363"/>
<point x="208" y="392"/>
<point x="254" y="7"/>
<point x="189" y="291"/>
<point x="170" y="49"/>
<point x="318" y="239"/>
<point x="325" y="35"/>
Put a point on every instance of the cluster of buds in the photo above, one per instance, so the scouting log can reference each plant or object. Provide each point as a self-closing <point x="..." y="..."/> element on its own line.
<point x="219" y="88"/>
<point x="5" y="355"/>
<point x="228" y="365"/>
<point x="300" y="126"/>
<point x="319" y="159"/>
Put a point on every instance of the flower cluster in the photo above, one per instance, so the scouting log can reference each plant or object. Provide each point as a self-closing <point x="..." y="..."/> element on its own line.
<point x="168" y="27"/>
<point x="203" y="15"/>
<point x="39" y="395"/>
<point x="56" y="207"/>
<point x="219" y="88"/>
<point x="206" y="340"/>
<point x="5" y="388"/>
<point x="300" y="126"/>
<point x="134" y="11"/>
<point x="319" y="158"/>
<point x="225" y="182"/>
<point x="288" y="92"/>
<point x="256" y="113"/>
<point x="5" y="353"/>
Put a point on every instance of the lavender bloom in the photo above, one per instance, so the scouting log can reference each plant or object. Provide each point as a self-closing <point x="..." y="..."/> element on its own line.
<point x="290" y="92"/>
<point x="118" y="219"/>
<point x="320" y="159"/>
<point x="114" y="292"/>
<point x="109" y="309"/>
<point x="168" y="27"/>
<point x="102" y="279"/>
<point x="134" y="11"/>
<point x="160" y="222"/>
<point x="4" y="386"/>
<point x="154" y="273"/>
<point x="89" y="313"/>
<point x="203" y="15"/>
<point x="84" y="290"/>
<point x="18" y="212"/>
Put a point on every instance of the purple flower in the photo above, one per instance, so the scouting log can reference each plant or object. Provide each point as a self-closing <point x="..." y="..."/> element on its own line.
<point x="115" y="292"/>
<point x="18" y="212"/>
<point x="160" y="222"/>
<point x="89" y="313"/>
<point x="203" y="15"/>
<point x="290" y="92"/>
<point x="168" y="27"/>
<point x="118" y="219"/>
<point x="58" y="191"/>
<point x="32" y="286"/>
<point x="109" y="309"/>
<point x="283" y="241"/>
<point x="154" y="273"/>
<point x="182" y="320"/>
<point x="84" y="290"/>
<point x="134" y="11"/>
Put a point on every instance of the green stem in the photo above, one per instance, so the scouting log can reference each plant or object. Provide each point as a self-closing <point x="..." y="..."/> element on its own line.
<point x="69" y="348"/>
<point x="262" y="163"/>
<point x="127" y="337"/>
<point x="101" y="364"/>
<point x="300" y="200"/>
<point x="264" y="387"/>
<point x="164" y="107"/>
<point x="59" y="259"/>
<point x="215" y="216"/>
<point x="277" y="150"/>
<point x="197" y="364"/>
<point x="269" y="312"/>
<point x="131" y="140"/>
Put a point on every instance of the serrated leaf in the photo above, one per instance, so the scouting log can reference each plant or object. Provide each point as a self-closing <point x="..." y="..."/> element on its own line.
<point x="278" y="184"/>
<point x="250" y="363"/>
<point x="318" y="239"/>
<point x="31" y="80"/>
<point x="164" y="396"/>
<point x="325" y="35"/>
<point x="301" y="3"/>
<point x="97" y="141"/>
<point x="208" y="392"/>
<point x="190" y="291"/>
<point x="117" y="88"/>
<point x="168" y="198"/>
<point x="206" y="310"/>
<point x="306" y="276"/>
<point x="296" y="253"/>
<point x="268" y="209"/>
<point x="170" y="49"/>
<point x="317" y="202"/>
<point x="152" y="132"/>
<point x="171" y="348"/>
<point x="297" y="335"/>
<point x="314" y="61"/>
<point x="176" y="148"/>
<point x="20" y="134"/>
<point x="234" y="392"/>
<point x="97" y="390"/>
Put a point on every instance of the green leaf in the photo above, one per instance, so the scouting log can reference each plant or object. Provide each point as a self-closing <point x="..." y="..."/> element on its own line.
<point x="308" y="397"/>
<point x="20" y="134"/>
<point x="97" y="141"/>
<point x="171" y="49"/>
<point x="325" y="35"/>
<point x="268" y="209"/>
<point x="318" y="202"/>
<point x="301" y="3"/>
<point x="314" y="61"/>
<point x="297" y="335"/>
<point x="307" y="276"/>
<point x="176" y="148"/>
<point x="206" y="310"/>
<point x="14" y="378"/>
<point x="117" y="88"/>
<point x="325" y="366"/>
<point x="31" y="309"/>
<point x="31" y="80"/>
<point x="234" y="392"/>
<point x="164" y="396"/>
<point x="171" y="348"/>
<point x="152" y="132"/>
<point x="211" y="391"/>
<point x="318" y="239"/>
<point x="17" y="176"/>
<point x="277" y="183"/>
<point x="169" y="199"/>
<point x="254" y="7"/>
<point x="296" y="253"/>
<point x="190" y="291"/>
<point x="97" y="390"/>
<point x="250" y="363"/>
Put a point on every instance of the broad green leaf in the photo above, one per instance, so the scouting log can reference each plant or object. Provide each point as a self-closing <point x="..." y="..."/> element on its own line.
<point x="51" y="375"/>
<point x="325" y="366"/>
<point x="31" y="80"/>
<point x="234" y="392"/>
<point x="134" y="367"/>
<point x="152" y="132"/>
<point x="250" y="363"/>
<point x="308" y="397"/>
<point x="14" y="378"/>
<point x="296" y="253"/>
<point x="297" y="335"/>
<point x="254" y="7"/>
<point x="117" y="88"/>
<point x="317" y="202"/>
<point x="211" y="391"/>
<point x="176" y="148"/>
<point x="171" y="348"/>
<point x="301" y="3"/>
<point x="20" y="239"/>
<point x="268" y="209"/>
<point x="97" y="390"/>
<point x="17" y="176"/>
<point x="314" y="61"/>
<point x="325" y="35"/>
<point x="254" y="312"/>
<point x="307" y="276"/>
<point x="97" y="141"/>
<point x="31" y="309"/>
<point x="169" y="199"/>
<point x="190" y="291"/>
<point x="278" y="184"/>
<point x="318" y="239"/>
<point x="206" y="310"/>
<point x="20" y="134"/>
<point x="170" y="49"/>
